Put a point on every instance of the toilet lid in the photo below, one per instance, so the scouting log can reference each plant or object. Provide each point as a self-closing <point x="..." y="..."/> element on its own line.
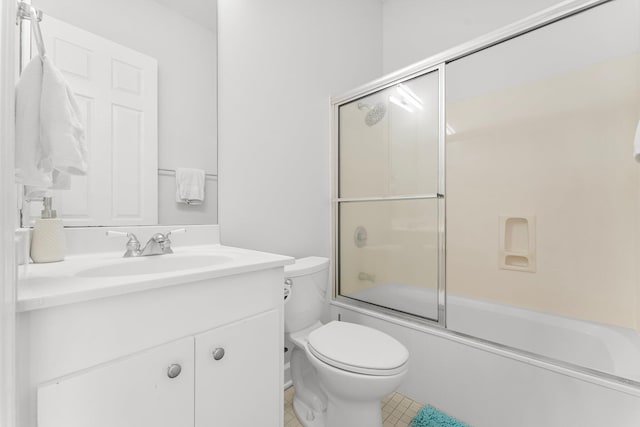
<point x="357" y="348"/>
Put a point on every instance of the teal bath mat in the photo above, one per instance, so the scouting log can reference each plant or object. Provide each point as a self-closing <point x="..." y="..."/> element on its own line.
<point x="431" y="417"/>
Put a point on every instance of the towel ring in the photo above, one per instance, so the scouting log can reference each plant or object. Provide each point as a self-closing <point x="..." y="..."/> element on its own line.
<point x="35" y="28"/>
<point x="26" y="11"/>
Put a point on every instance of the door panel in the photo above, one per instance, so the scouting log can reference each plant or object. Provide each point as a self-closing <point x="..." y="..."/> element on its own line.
<point x="242" y="388"/>
<point x="131" y="392"/>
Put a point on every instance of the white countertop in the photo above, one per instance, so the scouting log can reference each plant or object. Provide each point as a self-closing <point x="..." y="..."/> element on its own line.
<point x="59" y="283"/>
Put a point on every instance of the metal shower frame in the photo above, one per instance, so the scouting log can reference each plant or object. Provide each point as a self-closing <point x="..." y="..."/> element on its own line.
<point x="438" y="63"/>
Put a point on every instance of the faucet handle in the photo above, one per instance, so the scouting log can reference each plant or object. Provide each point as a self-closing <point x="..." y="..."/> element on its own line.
<point x="133" y="244"/>
<point x="177" y="230"/>
<point x="165" y="242"/>
<point x="113" y="233"/>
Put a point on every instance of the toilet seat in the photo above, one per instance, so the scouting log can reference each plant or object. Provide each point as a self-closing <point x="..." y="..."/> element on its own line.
<point x="358" y="349"/>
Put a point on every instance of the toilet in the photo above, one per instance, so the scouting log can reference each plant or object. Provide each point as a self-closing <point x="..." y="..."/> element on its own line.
<point x="340" y="370"/>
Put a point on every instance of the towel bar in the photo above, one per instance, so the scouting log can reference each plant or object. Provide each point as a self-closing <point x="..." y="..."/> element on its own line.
<point x="173" y="172"/>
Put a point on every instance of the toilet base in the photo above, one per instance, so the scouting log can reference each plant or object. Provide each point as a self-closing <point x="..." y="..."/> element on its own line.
<point x="339" y="415"/>
<point x="307" y="416"/>
<point x="349" y="414"/>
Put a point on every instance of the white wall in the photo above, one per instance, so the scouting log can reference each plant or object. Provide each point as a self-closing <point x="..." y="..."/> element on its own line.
<point x="416" y="29"/>
<point x="186" y="54"/>
<point x="279" y="63"/>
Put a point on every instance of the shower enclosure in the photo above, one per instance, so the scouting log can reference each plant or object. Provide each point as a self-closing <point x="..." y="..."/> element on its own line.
<point x="537" y="122"/>
<point x="390" y="196"/>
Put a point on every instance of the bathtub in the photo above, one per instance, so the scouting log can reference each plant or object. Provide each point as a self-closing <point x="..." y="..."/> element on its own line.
<point x="601" y="347"/>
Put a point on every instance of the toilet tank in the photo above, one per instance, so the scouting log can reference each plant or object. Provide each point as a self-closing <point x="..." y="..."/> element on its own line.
<point x="309" y="279"/>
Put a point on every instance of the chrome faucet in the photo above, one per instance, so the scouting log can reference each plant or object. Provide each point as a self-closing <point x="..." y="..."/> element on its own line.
<point x="158" y="244"/>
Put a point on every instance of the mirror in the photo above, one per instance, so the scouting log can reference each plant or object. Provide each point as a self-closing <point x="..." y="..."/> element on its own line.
<point x="136" y="143"/>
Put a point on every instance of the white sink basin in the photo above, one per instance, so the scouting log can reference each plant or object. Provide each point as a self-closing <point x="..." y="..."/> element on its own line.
<point x="155" y="265"/>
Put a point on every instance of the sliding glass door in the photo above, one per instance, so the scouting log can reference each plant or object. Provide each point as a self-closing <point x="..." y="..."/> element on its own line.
<point x="390" y="197"/>
<point x="543" y="155"/>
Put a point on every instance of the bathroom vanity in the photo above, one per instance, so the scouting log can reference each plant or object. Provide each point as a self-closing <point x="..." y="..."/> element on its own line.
<point x="193" y="338"/>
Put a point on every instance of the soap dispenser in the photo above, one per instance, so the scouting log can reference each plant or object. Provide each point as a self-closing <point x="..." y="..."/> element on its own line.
<point x="47" y="241"/>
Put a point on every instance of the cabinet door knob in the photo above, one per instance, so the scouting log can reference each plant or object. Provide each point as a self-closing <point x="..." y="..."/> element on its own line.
<point x="174" y="370"/>
<point x="218" y="353"/>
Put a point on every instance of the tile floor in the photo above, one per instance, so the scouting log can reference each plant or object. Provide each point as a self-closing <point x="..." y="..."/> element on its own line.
<point x="397" y="410"/>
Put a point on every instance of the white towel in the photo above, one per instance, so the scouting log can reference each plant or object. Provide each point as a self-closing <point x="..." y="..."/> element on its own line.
<point x="29" y="151"/>
<point x="49" y="132"/>
<point x="190" y="186"/>
<point x="636" y="144"/>
<point x="60" y="181"/>
<point x="61" y="127"/>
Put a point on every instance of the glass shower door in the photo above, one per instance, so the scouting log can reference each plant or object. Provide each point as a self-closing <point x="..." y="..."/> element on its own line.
<point x="390" y="205"/>
<point x="545" y="126"/>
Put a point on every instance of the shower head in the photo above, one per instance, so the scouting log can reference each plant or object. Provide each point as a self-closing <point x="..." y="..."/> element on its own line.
<point x="374" y="114"/>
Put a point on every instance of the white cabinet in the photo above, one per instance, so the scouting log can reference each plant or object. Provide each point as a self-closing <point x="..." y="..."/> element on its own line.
<point x="103" y="362"/>
<point x="228" y="374"/>
<point x="131" y="392"/>
<point x="236" y="383"/>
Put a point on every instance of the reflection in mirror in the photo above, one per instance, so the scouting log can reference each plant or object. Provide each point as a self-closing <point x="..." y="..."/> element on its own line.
<point x="116" y="90"/>
<point x="142" y="124"/>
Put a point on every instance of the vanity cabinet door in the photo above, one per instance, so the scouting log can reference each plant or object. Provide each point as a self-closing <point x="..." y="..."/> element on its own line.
<point x="238" y="374"/>
<point x="131" y="392"/>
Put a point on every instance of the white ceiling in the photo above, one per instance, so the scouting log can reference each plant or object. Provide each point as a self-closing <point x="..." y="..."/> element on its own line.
<point x="201" y="11"/>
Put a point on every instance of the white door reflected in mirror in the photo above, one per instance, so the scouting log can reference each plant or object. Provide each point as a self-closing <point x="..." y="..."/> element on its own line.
<point x="117" y="90"/>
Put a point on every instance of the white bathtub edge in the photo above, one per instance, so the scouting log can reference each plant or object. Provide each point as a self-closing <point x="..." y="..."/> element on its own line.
<point x="583" y="374"/>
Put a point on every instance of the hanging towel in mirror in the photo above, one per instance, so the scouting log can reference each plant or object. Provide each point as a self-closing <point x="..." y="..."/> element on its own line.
<point x="29" y="151"/>
<point x="50" y="135"/>
<point x="61" y="127"/>
<point x="190" y="186"/>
